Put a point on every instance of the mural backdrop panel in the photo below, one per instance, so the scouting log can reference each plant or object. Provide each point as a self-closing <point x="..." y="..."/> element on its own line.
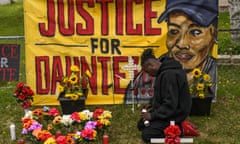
<point x="96" y="35"/>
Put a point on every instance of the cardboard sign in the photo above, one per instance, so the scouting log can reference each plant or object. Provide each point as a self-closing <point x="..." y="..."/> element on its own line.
<point x="9" y="62"/>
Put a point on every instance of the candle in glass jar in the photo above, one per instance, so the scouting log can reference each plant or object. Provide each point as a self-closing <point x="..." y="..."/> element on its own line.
<point x="12" y="132"/>
<point x="105" y="139"/>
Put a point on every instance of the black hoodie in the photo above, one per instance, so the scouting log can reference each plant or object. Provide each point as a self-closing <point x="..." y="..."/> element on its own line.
<point x="171" y="100"/>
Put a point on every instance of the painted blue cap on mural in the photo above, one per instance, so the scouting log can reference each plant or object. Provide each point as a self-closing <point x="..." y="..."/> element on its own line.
<point x="202" y="12"/>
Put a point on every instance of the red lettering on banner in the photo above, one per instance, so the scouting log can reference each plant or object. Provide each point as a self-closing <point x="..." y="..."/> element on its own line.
<point x="51" y="29"/>
<point x="93" y="79"/>
<point x="57" y="73"/>
<point x="148" y="30"/>
<point x="68" y="65"/>
<point x="105" y="17"/>
<point x="116" y="71"/>
<point x="42" y="60"/>
<point x="129" y="20"/>
<point x="104" y="66"/>
<point x="48" y="29"/>
<point x="119" y="17"/>
<point x="47" y="80"/>
<point x="86" y="16"/>
<point x="61" y="15"/>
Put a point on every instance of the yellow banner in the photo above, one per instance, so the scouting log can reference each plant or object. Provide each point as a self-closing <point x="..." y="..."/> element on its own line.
<point x="96" y="35"/>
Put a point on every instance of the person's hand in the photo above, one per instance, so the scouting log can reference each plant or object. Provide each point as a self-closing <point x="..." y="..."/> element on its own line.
<point x="146" y="116"/>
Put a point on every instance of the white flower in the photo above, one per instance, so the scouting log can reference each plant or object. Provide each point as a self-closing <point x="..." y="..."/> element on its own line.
<point x="28" y="114"/>
<point x="67" y="120"/>
<point x="88" y="114"/>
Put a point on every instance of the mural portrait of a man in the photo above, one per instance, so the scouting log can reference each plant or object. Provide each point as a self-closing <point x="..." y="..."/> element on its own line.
<point x="192" y="36"/>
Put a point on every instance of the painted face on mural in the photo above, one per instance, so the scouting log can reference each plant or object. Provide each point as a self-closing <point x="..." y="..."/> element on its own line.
<point x="188" y="42"/>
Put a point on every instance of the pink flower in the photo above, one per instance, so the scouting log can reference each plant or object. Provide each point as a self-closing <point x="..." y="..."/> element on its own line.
<point x="53" y="112"/>
<point x="61" y="140"/>
<point x="75" y="116"/>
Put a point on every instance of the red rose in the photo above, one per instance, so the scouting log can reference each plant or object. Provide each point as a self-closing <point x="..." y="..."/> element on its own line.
<point x="20" y="85"/>
<point x="22" y="97"/>
<point x="26" y="104"/>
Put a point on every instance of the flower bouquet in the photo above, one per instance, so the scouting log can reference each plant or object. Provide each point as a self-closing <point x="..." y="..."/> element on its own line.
<point x="47" y="126"/>
<point x="172" y="134"/>
<point x="201" y="83"/>
<point x="73" y="90"/>
<point x="24" y="95"/>
<point x="200" y="92"/>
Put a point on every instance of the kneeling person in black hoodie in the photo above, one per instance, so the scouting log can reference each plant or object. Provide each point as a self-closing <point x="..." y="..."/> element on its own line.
<point x="171" y="100"/>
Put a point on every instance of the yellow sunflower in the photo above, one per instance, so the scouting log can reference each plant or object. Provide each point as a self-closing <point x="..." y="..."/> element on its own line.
<point x="65" y="79"/>
<point x="201" y="95"/>
<point x="74" y="97"/>
<point x="206" y="77"/>
<point x="200" y="86"/>
<point x="73" y="79"/>
<point x="61" y="88"/>
<point x="74" y="68"/>
<point x="88" y="73"/>
<point x="196" y="73"/>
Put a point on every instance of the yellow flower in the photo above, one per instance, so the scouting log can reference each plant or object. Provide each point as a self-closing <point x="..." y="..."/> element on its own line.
<point x="196" y="72"/>
<point x="50" y="141"/>
<point x="88" y="73"/>
<point x="73" y="79"/>
<point x="200" y="86"/>
<point x="61" y="88"/>
<point x="201" y="96"/>
<point x="57" y="120"/>
<point x="79" y="93"/>
<point x="107" y="114"/>
<point x="74" y="96"/>
<point x="191" y="90"/>
<point x="49" y="126"/>
<point x="72" y="86"/>
<point x="94" y="134"/>
<point x="209" y="84"/>
<point x="83" y="116"/>
<point x="206" y="77"/>
<point x="65" y="79"/>
<point x="68" y="95"/>
<point x="74" y="68"/>
<point x="105" y="122"/>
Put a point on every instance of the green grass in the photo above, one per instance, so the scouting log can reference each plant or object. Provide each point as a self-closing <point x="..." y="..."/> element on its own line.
<point x="226" y="46"/>
<point x="222" y="126"/>
<point x="11" y="18"/>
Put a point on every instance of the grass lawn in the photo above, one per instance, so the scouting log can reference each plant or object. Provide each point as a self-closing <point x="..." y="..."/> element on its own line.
<point x="222" y="126"/>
